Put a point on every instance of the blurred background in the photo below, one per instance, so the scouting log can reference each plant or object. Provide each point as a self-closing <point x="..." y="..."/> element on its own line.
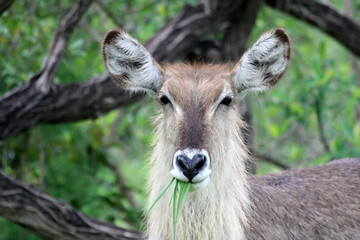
<point x="94" y="157"/>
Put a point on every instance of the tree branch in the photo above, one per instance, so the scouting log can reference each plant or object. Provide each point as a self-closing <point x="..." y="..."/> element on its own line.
<point x="25" y="106"/>
<point x="108" y="13"/>
<point x="17" y="106"/>
<point x="324" y="17"/>
<point x="58" y="45"/>
<point x="121" y="182"/>
<point x="123" y="187"/>
<point x="235" y="43"/>
<point x="186" y="28"/>
<point x="271" y="160"/>
<point x="320" y="123"/>
<point x="178" y="35"/>
<point x="5" y="4"/>
<point x="95" y="34"/>
<point x="51" y="218"/>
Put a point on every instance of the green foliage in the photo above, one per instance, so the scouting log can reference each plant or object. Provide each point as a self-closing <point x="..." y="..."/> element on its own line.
<point x="181" y="190"/>
<point x="160" y="196"/>
<point x="79" y="157"/>
<point x="286" y="119"/>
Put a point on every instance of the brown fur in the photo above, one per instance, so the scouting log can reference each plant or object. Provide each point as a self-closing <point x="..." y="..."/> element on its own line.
<point x="315" y="203"/>
<point x="216" y="212"/>
<point x="201" y="85"/>
<point x="321" y="202"/>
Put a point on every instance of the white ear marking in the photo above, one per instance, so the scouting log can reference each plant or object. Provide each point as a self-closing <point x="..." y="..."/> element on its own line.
<point x="264" y="63"/>
<point x="130" y="64"/>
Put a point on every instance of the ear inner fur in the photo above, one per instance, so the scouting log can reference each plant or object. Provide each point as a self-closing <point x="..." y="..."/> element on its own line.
<point x="129" y="64"/>
<point x="264" y="63"/>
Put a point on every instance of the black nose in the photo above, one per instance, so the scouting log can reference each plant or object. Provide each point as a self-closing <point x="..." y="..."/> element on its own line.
<point x="191" y="167"/>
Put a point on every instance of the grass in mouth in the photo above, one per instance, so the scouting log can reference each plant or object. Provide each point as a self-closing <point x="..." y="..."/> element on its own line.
<point x="180" y="193"/>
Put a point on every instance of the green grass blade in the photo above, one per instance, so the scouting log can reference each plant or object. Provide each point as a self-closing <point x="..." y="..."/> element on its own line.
<point x="174" y="208"/>
<point x="180" y="192"/>
<point x="160" y="195"/>
<point x="184" y="190"/>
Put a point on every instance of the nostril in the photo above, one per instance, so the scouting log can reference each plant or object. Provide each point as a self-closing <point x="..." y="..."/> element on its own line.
<point x="182" y="162"/>
<point x="199" y="162"/>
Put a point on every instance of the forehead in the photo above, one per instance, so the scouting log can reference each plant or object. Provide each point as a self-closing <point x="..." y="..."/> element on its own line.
<point x="200" y="81"/>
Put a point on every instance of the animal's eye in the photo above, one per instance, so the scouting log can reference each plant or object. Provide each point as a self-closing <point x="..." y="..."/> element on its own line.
<point x="226" y="101"/>
<point x="164" y="100"/>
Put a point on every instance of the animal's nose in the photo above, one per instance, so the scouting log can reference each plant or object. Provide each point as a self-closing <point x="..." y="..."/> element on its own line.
<point x="191" y="167"/>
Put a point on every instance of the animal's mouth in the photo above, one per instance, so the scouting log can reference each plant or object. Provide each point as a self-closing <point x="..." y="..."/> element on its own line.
<point x="195" y="186"/>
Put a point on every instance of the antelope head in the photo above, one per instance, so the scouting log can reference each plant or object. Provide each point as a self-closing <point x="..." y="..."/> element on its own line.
<point x="197" y="100"/>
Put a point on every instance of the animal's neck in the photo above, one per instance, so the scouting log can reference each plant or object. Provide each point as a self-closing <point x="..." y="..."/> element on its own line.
<point x="216" y="212"/>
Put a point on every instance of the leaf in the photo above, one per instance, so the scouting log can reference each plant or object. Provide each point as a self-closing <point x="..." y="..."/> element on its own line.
<point x="160" y="195"/>
<point x="322" y="50"/>
<point x="184" y="190"/>
<point x="321" y="80"/>
<point x="322" y="159"/>
<point x="284" y="126"/>
<point x="347" y="131"/>
<point x="356" y="131"/>
<point x="162" y="10"/>
<point x="273" y="129"/>
<point x="273" y="111"/>
<point x="174" y="208"/>
<point x="296" y="109"/>
<point x="355" y="92"/>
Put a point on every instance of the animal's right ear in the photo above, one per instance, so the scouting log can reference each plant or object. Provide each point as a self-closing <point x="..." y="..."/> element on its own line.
<point x="264" y="63"/>
<point x="129" y="64"/>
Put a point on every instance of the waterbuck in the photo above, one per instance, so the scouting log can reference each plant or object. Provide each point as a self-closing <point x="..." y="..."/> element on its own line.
<point x="198" y="139"/>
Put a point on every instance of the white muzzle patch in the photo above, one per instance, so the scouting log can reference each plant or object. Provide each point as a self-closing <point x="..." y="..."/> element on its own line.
<point x="193" y="164"/>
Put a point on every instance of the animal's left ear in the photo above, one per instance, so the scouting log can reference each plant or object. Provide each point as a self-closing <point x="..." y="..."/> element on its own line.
<point x="263" y="64"/>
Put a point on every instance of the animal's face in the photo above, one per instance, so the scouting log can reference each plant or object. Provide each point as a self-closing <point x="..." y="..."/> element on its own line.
<point x="196" y="100"/>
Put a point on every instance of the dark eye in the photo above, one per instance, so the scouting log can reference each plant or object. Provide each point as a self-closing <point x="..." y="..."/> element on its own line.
<point x="226" y="101"/>
<point x="164" y="100"/>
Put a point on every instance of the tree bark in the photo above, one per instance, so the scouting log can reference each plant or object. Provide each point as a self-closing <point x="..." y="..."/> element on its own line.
<point x="17" y="106"/>
<point x="28" y="105"/>
<point x="235" y="43"/>
<point x="326" y="18"/>
<point x="5" y="4"/>
<point x="177" y="36"/>
<point x="58" y="45"/>
<point x="23" y="107"/>
<point x="237" y="35"/>
<point x="64" y="103"/>
<point x="269" y="159"/>
<point x="51" y="218"/>
<point x="185" y="29"/>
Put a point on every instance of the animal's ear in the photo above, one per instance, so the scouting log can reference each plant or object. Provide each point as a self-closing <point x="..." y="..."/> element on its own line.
<point x="263" y="64"/>
<point x="129" y="64"/>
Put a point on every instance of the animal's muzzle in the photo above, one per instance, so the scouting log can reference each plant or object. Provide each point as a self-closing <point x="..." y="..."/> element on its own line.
<point x="191" y="165"/>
